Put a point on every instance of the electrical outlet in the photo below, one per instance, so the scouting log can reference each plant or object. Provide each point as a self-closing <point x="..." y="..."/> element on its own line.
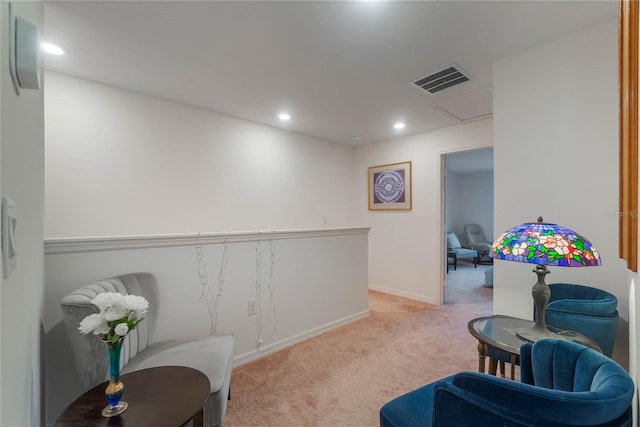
<point x="252" y="306"/>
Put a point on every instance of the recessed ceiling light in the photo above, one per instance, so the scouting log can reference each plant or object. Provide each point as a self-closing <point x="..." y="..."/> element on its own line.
<point x="52" y="48"/>
<point x="399" y="125"/>
<point x="284" y="117"/>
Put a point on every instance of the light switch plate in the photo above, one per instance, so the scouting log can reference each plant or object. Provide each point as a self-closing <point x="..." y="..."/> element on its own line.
<point x="24" y="53"/>
<point x="9" y="222"/>
<point x="27" y="50"/>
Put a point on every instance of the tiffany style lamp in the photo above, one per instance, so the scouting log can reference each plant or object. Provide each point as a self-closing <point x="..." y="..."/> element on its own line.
<point x="543" y="244"/>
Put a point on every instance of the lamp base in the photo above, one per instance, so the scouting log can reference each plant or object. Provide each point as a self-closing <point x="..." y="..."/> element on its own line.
<point x="534" y="334"/>
<point x="541" y="294"/>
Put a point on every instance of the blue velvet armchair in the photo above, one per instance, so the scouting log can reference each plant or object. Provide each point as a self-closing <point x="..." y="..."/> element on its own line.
<point x="584" y="309"/>
<point x="589" y="311"/>
<point x="563" y="384"/>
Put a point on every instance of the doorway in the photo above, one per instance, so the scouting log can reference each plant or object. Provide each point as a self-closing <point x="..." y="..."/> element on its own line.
<point x="467" y="198"/>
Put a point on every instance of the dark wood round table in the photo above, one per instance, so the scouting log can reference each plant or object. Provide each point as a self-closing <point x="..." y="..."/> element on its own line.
<point x="164" y="396"/>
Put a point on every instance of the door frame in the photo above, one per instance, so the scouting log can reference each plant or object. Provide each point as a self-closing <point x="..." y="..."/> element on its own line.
<point x="441" y="213"/>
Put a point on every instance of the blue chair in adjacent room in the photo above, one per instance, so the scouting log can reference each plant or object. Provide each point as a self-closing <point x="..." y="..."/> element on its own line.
<point x="454" y="245"/>
<point x="563" y="384"/>
<point x="476" y="239"/>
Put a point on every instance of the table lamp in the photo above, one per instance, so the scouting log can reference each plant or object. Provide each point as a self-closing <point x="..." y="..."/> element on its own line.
<point x="543" y="244"/>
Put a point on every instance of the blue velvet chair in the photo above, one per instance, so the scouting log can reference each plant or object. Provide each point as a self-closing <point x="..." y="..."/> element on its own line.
<point x="589" y="311"/>
<point x="563" y="384"/>
<point x="584" y="309"/>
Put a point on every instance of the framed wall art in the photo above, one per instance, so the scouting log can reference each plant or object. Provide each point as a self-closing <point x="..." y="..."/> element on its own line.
<point x="390" y="187"/>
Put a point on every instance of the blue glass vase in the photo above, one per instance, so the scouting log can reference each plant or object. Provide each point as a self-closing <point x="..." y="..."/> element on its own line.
<point x="113" y="392"/>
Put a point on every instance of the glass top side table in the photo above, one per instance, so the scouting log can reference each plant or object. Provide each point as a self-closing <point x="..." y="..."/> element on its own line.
<point x="500" y="332"/>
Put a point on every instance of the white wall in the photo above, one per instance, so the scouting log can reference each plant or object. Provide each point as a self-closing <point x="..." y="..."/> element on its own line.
<point x="556" y="155"/>
<point x="405" y="247"/>
<point x="470" y="201"/>
<point x="21" y="152"/>
<point x="125" y="164"/>
<point x="320" y="282"/>
<point x="121" y="163"/>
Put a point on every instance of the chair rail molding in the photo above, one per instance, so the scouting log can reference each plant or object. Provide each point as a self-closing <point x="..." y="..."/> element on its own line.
<point x="92" y="244"/>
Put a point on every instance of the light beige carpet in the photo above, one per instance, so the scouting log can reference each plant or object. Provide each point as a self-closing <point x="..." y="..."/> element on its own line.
<point x="343" y="377"/>
<point x="467" y="284"/>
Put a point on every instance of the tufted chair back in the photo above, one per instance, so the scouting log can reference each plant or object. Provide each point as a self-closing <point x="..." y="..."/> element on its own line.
<point x="88" y="352"/>
<point x="587" y="385"/>
<point x="584" y="309"/>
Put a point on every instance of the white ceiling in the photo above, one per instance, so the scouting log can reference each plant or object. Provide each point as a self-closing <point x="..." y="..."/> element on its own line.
<point x="343" y="69"/>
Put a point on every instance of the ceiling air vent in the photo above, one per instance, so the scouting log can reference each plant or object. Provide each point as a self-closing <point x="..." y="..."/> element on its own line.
<point x="441" y="80"/>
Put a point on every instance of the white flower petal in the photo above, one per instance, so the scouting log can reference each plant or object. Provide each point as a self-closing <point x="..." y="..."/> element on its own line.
<point x="115" y="313"/>
<point x="121" y="329"/>
<point x="114" y="308"/>
<point x="108" y="299"/>
<point x="136" y="303"/>
<point x="92" y="323"/>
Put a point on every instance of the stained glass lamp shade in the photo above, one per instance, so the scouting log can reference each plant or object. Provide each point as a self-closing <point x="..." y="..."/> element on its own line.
<point x="543" y="244"/>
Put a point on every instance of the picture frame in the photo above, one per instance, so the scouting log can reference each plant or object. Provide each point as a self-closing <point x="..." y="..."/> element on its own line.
<point x="390" y="186"/>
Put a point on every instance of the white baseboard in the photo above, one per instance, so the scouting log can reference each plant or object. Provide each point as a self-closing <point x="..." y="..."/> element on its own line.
<point x="402" y="294"/>
<point x="295" y="339"/>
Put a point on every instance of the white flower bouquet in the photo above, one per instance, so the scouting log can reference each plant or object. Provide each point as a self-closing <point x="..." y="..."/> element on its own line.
<point x="118" y="315"/>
